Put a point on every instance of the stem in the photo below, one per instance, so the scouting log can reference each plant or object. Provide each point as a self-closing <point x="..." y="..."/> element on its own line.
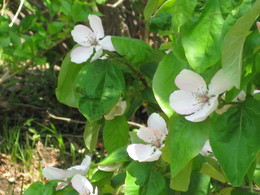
<point x="17" y="13"/>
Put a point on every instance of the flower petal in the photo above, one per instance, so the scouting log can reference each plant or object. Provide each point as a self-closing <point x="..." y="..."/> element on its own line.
<point x="96" y="25"/>
<point x="109" y="168"/>
<point x="82" y="185"/>
<point x="190" y="81"/>
<point x="81" y="54"/>
<point x="86" y="161"/>
<point x="97" y="54"/>
<point x="206" y="149"/>
<point x="205" y="110"/>
<point x="81" y="35"/>
<point x="151" y="136"/>
<point x="155" y="121"/>
<point x="78" y="169"/>
<point x="183" y="102"/>
<point x="219" y="83"/>
<point x="53" y="173"/>
<point x="143" y="153"/>
<point x="107" y="44"/>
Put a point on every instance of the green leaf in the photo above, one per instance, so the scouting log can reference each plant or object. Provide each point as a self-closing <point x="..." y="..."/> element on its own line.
<point x="55" y="27"/>
<point x="136" y="175"/>
<point x="117" y="156"/>
<point x="161" y="21"/>
<point x="156" y="183"/>
<point x="135" y="51"/>
<point x="209" y="170"/>
<point x="115" y="133"/>
<point x="65" y="91"/>
<point x="151" y="7"/>
<point x="182" y="180"/>
<point x="163" y="81"/>
<point x="182" y="12"/>
<point x="234" y="42"/>
<point x="41" y="189"/>
<point x="235" y="139"/>
<point x="201" y="38"/>
<point x="99" y="86"/>
<point x="90" y="135"/>
<point x="187" y="140"/>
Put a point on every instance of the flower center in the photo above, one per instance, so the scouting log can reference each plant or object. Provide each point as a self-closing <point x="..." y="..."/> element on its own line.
<point x="202" y="98"/>
<point x="157" y="140"/>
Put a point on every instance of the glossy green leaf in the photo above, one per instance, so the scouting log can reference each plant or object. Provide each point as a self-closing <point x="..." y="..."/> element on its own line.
<point x="235" y="139"/>
<point x="65" y="91"/>
<point x="117" y="156"/>
<point x="187" y="140"/>
<point x="99" y="86"/>
<point x="90" y="135"/>
<point x="156" y="183"/>
<point x="115" y="133"/>
<point x="135" y="51"/>
<point x="201" y="38"/>
<point x="182" y="12"/>
<point x="163" y="81"/>
<point x="209" y="170"/>
<point x="234" y="42"/>
<point x="182" y="180"/>
<point x="40" y="188"/>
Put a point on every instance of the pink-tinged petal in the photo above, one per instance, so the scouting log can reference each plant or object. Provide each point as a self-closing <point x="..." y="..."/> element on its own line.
<point x="98" y="53"/>
<point x="81" y="54"/>
<point x="53" y="173"/>
<point x="151" y="136"/>
<point x="258" y="25"/>
<point x="190" y="81"/>
<point x="96" y="25"/>
<point x="155" y="121"/>
<point x="82" y="185"/>
<point x="81" y="34"/>
<point x="183" y="102"/>
<point x="86" y="161"/>
<point x="143" y="153"/>
<point x="219" y="83"/>
<point x="204" y="111"/>
<point x="206" y="149"/>
<point x="107" y="44"/>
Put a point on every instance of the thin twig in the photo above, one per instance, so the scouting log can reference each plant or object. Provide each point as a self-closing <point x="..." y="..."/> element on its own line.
<point x="82" y="122"/>
<point x="3" y="8"/>
<point x="17" y="13"/>
<point x="115" y="4"/>
<point x="65" y="119"/>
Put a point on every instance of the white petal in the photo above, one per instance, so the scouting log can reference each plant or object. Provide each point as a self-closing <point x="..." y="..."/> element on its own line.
<point x="78" y="169"/>
<point x="82" y="185"/>
<point x="155" y="121"/>
<point x="96" y="25"/>
<point x="183" y="102"/>
<point x="109" y="168"/>
<point x="190" y="81"/>
<point x="107" y="44"/>
<point x="61" y="185"/>
<point x="206" y="149"/>
<point x="219" y="83"/>
<point x="86" y="161"/>
<point x="205" y="110"/>
<point x="81" y="34"/>
<point x="117" y="110"/>
<point x="151" y="136"/>
<point x="143" y="153"/>
<point x="97" y="54"/>
<point x="81" y="54"/>
<point x="53" y="173"/>
<point x="240" y="97"/>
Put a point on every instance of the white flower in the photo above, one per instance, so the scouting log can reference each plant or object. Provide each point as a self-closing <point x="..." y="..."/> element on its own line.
<point x="90" y="40"/>
<point x="117" y="110"/>
<point x="194" y="98"/>
<point x="153" y="135"/>
<point x="53" y="173"/>
<point x="206" y="150"/>
<point x="82" y="185"/>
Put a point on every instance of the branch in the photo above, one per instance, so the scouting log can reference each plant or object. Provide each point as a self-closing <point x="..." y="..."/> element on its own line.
<point x="115" y="4"/>
<point x="17" y="13"/>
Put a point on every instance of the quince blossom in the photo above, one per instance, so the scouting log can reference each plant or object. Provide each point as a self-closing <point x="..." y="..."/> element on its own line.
<point x="79" y="183"/>
<point x="194" y="98"/>
<point x="153" y="135"/>
<point x="206" y="150"/>
<point x="90" y="40"/>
